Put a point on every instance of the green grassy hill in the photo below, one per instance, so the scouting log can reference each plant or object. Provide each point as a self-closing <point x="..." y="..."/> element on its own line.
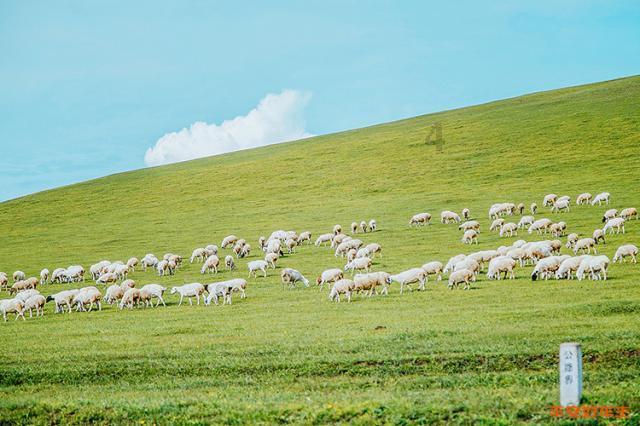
<point x="292" y="356"/>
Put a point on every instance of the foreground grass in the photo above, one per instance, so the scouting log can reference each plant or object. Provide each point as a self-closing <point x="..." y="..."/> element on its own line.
<point x="282" y="356"/>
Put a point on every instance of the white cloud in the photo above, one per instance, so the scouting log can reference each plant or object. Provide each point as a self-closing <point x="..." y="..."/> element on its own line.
<point x="277" y="118"/>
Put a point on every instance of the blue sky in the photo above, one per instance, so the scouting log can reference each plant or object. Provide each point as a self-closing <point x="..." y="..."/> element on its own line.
<point x="87" y="87"/>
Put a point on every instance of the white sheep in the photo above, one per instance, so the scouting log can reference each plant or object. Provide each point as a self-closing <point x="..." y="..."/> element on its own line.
<point x="337" y="229"/>
<point x="12" y="305"/>
<point x="62" y="299"/>
<point x="557" y="229"/>
<point x="627" y="250"/>
<point x="304" y="236"/>
<point x="482" y="257"/>
<point x="29" y="283"/>
<point x="354" y="227"/>
<point x="533" y="208"/>
<point x="290" y="244"/>
<point x="364" y="227"/>
<point x="360" y="264"/>
<point x="547" y="267"/>
<point x="433" y="268"/>
<point x="525" y="221"/>
<point x="509" y="229"/>
<point x="470" y="224"/>
<point x="212" y="249"/>
<point x="496" y="224"/>
<point x="342" y="286"/>
<point x="109" y="277"/>
<point x="328" y="276"/>
<point x="374" y="248"/>
<point x="44" y="276"/>
<point x="130" y="297"/>
<point x="36" y="302"/>
<point x="465" y="213"/>
<point x="521" y="208"/>
<point x="499" y="265"/>
<point x="596" y="266"/>
<point x="549" y="199"/>
<point x="4" y="281"/>
<point x="470" y="264"/>
<point x="517" y="253"/>
<point x="211" y="264"/>
<point x="132" y="263"/>
<point x="257" y="265"/>
<point x="420" y="219"/>
<point x="339" y="239"/>
<point x="87" y="296"/>
<point x="540" y="226"/>
<point x="228" y="241"/>
<point x="629" y="212"/>
<point x="561" y="206"/>
<point x="370" y="282"/>
<point x="217" y="291"/>
<point x="230" y="263"/>
<point x="447" y="216"/>
<point x="373" y="225"/>
<point x="583" y="198"/>
<point x="363" y="252"/>
<point x="323" y="238"/>
<point x="238" y="284"/>
<point x="609" y="214"/>
<point x="452" y="261"/>
<point x="410" y="276"/>
<point x="572" y="239"/>
<point x="113" y="294"/>
<point x="617" y="223"/>
<point x="461" y="276"/>
<point x="568" y="267"/>
<point x="292" y="276"/>
<point x="600" y="198"/>
<point x="163" y="267"/>
<point x="598" y="235"/>
<point x="189" y="291"/>
<point x="149" y="291"/>
<point x="149" y="261"/>
<point x="18" y="276"/>
<point x="470" y="236"/>
<point x="199" y="254"/>
<point x="351" y="254"/>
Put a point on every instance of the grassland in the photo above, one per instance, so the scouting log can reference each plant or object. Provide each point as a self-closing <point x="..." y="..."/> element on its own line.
<point x="439" y="356"/>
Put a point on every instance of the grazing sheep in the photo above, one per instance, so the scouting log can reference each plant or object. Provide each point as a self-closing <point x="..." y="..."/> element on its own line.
<point x="328" y="276"/>
<point x="465" y="213"/>
<point x="26" y="294"/>
<point x="627" y="250"/>
<point x="499" y="265"/>
<point x="8" y="306"/>
<point x="342" y="249"/>
<point x="36" y="302"/>
<point x="354" y="227"/>
<point x="351" y="254"/>
<point x="4" y="281"/>
<point x="150" y="291"/>
<point x="525" y="221"/>
<point x="257" y="265"/>
<point x="517" y="253"/>
<point x="374" y="248"/>
<point x="211" y="264"/>
<point x="338" y="239"/>
<point x="18" y="286"/>
<point x="273" y="246"/>
<point x="470" y="224"/>
<point x="572" y="239"/>
<point x="290" y="245"/>
<point x="540" y="226"/>
<point x="481" y="257"/>
<point x="557" y="229"/>
<point x="360" y="264"/>
<point x="585" y="244"/>
<point x="600" y="198"/>
<point x="373" y="225"/>
<point x="149" y="261"/>
<point x="520" y="208"/>
<point x="549" y="199"/>
<point x="44" y="276"/>
<point x="18" y="276"/>
<point x="163" y="268"/>
<point x="363" y="252"/>
<point x="342" y="286"/>
<point x="420" y="219"/>
<point x="212" y="249"/>
<point x="109" y="277"/>
<point x="369" y="282"/>
<point x="364" y="227"/>
<point x="616" y="223"/>
<point x="461" y="276"/>
<point x="469" y="264"/>
<point x="447" y="216"/>
<point x="132" y="263"/>
<point x="568" y="267"/>
<point x="564" y="198"/>
<point x="501" y="209"/>
<point x="189" y="291"/>
<point x="228" y="241"/>
<point x="410" y="276"/>
<point x="609" y="214"/>
<point x="62" y="299"/>
<point x="238" y="284"/>
<point x="304" y="236"/>
<point x="629" y="212"/>
<point x="546" y="268"/>
<point x="271" y="259"/>
<point x="231" y="264"/>
<point x="596" y="266"/>
<point x="509" y="229"/>
<point x="583" y="198"/>
<point x="433" y="268"/>
<point x="598" y="235"/>
<point x="496" y="224"/>
<point x="199" y="254"/>
<point x="324" y="238"/>
<point x="113" y="294"/>
<point x="533" y="208"/>
<point x="470" y="236"/>
<point x="130" y="297"/>
<point x="452" y="261"/>
<point x="561" y="206"/>
<point x="337" y="229"/>
<point x="95" y="270"/>
<point x="217" y="291"/>
<point x="87" y="296"/>
<point x="292" y="276"/>
<point x="127" y="284"/>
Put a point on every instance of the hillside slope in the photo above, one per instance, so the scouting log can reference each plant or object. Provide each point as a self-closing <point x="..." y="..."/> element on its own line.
<point x="438" y="356"/>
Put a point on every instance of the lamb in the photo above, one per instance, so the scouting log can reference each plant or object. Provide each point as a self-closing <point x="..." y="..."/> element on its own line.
<point x="557" y="229"/>
<point x="572" y="239"/>
<point x="369" y="282"/>
<point x="629" y="212"/>
<point x="564" y="198"/>
<point x="549" y="199"/>
<point x="533" y="208"/>
<point x="374" y="248"/>
<point x="338" y="239"/>
<point x="62" y="299"/>
<point x="561" y="206"/>
<point x="499" y="265"/>
<point x="18" y="276"/>
<point x="150" y="291"/>
<point x="447" y="216"/>
<point x="568" y="267"/>
<point x="461" y="276"/>
<point x="627" y="250"/>
<point x="362" y="263"/>
<point x="290" y="245"/>
<point x="540" y="226"/>
<point x="12" y="305"/>
<point x="420" y="219"/>
<point x="342" y="249"/>
<point x="609" y="214"/>
<point x="496" y="224"/>
<point x="44" y="276"/>
<point x="324" y="238"/>
<point x="132" y="263"/>
<point x="364" y="227"/>
<point x="189" y="291"/>
<point x="163" y="268"/>
<point x="113" y="294"/>
<point x="217" y="291"/>
<point x="304" y="236"/>
<point x="509" y="229"/>
<point x="583" y="198"/>
<point x="598" y="235"/>
<point x="596" y="266"/>
<point x="470" y="236"/>
<point x="121" y="271"/>
<point x="525" y="221"/>
<point x="616" y="223"/>
<point x="58" y="275"/>
<point x="433" y="268"/>
<point x="231" y="264"/>
<point x="354" y="227"/>
<point x="546" y="267"/>
<point x="292" y="276"/>
<point x="520" y="208"/>
<point x="337" y="229"/>
<point x="501" y="209"/>
<point x="600" y="198"/>
<point x="585" y="244"/>
<point x="238" y="284"/>
<point x="373" y="225"/>
<point x="257" y="265"/>
<point x="328" y="276"/>
<point x="353" y="243"/>
<point x="87" y="295"/>
<point x="409" y="277"/>
<point x="212" y="249"/>
<point x="199" y="254"/>
<point x="211" y="264"/>
<point x="465" y="213"/>
<point x="342" y="286"/>
<point x="18" y="286"/>
<point x="470" y="224"/>
<point x="36" y="302"/>
<point x="109" y="277"/>
<point x="228" y="241"/>
<point x="130" y="297"/>
<point x="149" y="261"/>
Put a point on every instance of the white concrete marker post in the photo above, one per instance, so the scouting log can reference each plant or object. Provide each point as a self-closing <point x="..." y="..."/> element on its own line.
<point x="570" y="374"/>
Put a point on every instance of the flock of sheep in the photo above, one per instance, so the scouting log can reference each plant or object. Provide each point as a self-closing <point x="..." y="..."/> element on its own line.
<point x="462" y="269"/>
